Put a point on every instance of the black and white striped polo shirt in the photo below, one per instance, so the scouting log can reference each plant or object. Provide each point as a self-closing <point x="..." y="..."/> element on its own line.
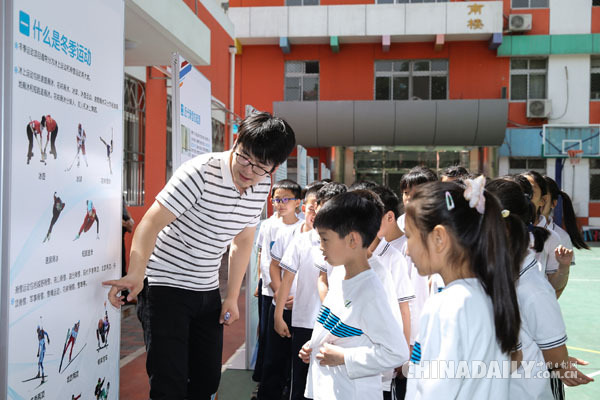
<point x="210" y="212"/>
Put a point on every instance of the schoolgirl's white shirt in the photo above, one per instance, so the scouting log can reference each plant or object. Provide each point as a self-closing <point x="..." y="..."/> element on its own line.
<point x="436" y="284"/>
<point x="283" y="237"/>
<point x="299" y="260"/>
<point x="457" y="325"/>
<point x="542" y="328"/>
<point x="267" y="234"/>
<point x="355" y="315"/>
<point x="565" y="239"/>
<point x="389" y="256"/>
<point x="547" y="258"/>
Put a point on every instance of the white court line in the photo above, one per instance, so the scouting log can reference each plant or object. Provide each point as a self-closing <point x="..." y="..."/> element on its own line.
<point x="127" y="359"/>
<point x="583" y="280"/>
<point x="593" y="374"/>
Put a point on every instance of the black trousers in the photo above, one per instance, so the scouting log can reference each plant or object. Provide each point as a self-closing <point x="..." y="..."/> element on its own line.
<point x="277" y="363"/>
<point x="52" y="141"/>
<point x="299" y="368"/>
<point x="264" y="305"/>
<point x="184" y="341"/>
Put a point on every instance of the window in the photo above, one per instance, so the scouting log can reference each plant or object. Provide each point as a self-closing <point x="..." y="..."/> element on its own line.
<point x="218" y="136"/>
<point x="595" y="3"/>
<point x="301" y="2"/>
<point x="595" y="78"/>
<point x="411" y="80"/>
<point x="594" y="179"/>
<point x="409" y="1"/>
<point x="134" y="138"/>
<point x="301" y="80"/>
<point x="530" y="3"/>
<point x="528" y="78"/>
<point x="519" y="165"/>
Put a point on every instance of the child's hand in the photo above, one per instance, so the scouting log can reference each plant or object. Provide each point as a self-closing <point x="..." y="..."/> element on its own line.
<point x="304" y="353"/>
<point x="330" y="355"/>
<point x="571" y="376"/>
<point x="289" y="303"/>
<point x="563" y="255"/>
<point x="281" y="327"/>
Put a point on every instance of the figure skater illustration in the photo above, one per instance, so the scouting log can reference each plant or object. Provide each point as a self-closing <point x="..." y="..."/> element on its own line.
<point x="109" y="149"/>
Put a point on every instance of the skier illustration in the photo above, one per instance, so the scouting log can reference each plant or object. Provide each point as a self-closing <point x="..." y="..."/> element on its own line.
<point x="73" y="397"/>
<point x="56" y="210"/>
<point x="102" y="330"/>
<point x="99" y="392"/>
<point x="71" y="337"/>
<point x="51" y="132"/>
<point x="88" y="221"/>
<point x="34" y="131"/>
<point x="109" y="150"/>
<point x="81" y="137"/>
<point x="42" y="336"/>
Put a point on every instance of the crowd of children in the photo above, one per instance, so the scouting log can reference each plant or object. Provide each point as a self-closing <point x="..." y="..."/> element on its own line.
<point x="447" y="290"/>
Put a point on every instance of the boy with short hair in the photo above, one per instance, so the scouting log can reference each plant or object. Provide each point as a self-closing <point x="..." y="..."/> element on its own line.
<point x="354" y="339"/>
<point x="285" y="196"/>
<point x="300" y="281"/>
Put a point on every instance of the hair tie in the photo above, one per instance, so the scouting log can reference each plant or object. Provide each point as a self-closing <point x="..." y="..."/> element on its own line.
<point x="530" y="227"/>
<point x="474" y="193"/>
<point x="505" y="213"/>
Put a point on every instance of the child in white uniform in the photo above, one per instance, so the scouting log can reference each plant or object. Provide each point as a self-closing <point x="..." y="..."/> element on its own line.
<point x="460" y="234"/>
<point x="355" y="338"/>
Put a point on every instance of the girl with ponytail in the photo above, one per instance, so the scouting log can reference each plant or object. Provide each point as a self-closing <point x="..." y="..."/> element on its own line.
<point x="460" y="234"/>
<point x="542" y="338"/>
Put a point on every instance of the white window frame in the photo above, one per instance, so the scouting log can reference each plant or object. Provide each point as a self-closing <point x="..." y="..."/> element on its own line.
<point x="594" y="70"/>
<point x="410" y="74"/>
<point x="529" y="7"/>
<point x="593" y="171"/>
<point x="301" y="4"/>
<point x="527" y="72"/>
<point x="301" y="75"/>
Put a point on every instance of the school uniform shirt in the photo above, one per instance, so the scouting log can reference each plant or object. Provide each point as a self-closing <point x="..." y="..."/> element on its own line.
<point x="355" y="316"/>
<point x="420" y="286"/>
<point x="396" y="263"/>
<point x="565" y="239"/>
<point x="285" y="235"/>
<point x="436" y="284"/>
<point x="266" y="235"/>
<point x="542" y="328"/>
<point x="209" y="212"/>
<point x="546" y="257"/>
<point x="299" y="260"/>
<point x="457" y="324"/>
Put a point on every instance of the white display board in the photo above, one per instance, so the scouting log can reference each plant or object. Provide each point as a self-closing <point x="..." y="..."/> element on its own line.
<point x="191" y="113"/>
<point x="301" y="166"/>
<point x="310" y="169"/>
<point x="325" y="172"/>
<point x="64" y="102"/>
<point x="281" y="172"/>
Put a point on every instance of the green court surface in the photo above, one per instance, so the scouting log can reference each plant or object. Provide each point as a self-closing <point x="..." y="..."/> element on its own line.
<point x="580" y="305"/>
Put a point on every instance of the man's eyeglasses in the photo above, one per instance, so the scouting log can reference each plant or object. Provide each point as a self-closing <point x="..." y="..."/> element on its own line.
<point x="245" y="161"/>
<point x="283" y="201"/>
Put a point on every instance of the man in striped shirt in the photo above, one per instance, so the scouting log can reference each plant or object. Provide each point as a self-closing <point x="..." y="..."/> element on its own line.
<point x="211" y="201"/>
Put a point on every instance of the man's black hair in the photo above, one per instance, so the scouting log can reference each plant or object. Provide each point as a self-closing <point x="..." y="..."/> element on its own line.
<point x="417" y="176"/>
<point x="390" y="200"/>
<point x="267" y="138"/>
<point x="312" y="189"/>
<point x="456" y="172"/>
<point x="330" y="190"/>
<point x="287" y="184"/>
<point x="363" y="185"/>
<point x="356" y="211"/>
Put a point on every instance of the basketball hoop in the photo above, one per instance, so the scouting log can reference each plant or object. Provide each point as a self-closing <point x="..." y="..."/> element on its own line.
<point x="575" y="156"/>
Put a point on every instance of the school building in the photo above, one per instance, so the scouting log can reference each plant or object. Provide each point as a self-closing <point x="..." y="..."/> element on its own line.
<point x="375" y="87"/>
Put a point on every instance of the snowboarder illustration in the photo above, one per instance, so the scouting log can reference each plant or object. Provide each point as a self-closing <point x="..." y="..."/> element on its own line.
<point x="57" y="208"/>
<point x="88" y="221"/>
<point x="102" y="330"/>
<point x="34" y="131"/>
<point x="42" y="336"/>
<point x="81" y="137"/>
<point x="51" y="132"/>
<point x="109" y="149"/>
<point x="71" y="337"/>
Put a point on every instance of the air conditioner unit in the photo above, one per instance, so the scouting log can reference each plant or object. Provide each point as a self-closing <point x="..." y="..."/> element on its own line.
<point x="538" y="108"/>
<point x="519" y="22"/>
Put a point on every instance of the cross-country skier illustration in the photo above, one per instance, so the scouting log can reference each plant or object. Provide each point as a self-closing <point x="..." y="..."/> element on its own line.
<point x="102" y="330"/>
<point x="81" y="137"/>
<point x="57" y="208"/>
<point x="51" y="132"/>
<point x="42" y="336"/>
<point x="109" y="150"/>
<point x="34" y="131"/>
<point x="88" y="221"/>
<point x="71" y="338"/>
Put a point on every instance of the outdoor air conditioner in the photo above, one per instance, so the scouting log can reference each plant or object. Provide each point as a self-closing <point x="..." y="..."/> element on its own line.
<point x="519" y="22"/>
<point x="538" y="108"/>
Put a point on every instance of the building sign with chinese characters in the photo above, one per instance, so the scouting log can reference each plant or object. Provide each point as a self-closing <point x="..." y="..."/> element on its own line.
<point x="64" y="104"/>
<point x="474" y="17"/>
